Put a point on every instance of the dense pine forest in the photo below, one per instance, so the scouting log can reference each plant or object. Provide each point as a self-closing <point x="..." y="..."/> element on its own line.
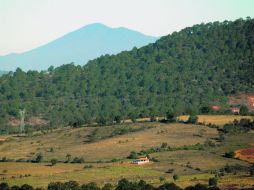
<point x="180" y="73"/>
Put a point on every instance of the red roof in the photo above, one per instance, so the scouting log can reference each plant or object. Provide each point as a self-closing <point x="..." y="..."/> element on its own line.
<point x="142" y="158"/>
<point x="215" y="107"/>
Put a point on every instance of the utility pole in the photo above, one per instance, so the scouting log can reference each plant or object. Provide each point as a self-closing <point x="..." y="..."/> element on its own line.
<point x="22" y="120"/>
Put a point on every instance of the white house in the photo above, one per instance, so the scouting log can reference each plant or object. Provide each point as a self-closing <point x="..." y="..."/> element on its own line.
<point x="141" y="160"/>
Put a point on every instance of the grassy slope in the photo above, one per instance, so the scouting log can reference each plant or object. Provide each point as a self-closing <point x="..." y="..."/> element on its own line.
<point x="72" y="141"/>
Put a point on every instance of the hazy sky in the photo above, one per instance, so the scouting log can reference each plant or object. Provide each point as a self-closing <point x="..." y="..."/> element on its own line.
<point x="25" y="24"/>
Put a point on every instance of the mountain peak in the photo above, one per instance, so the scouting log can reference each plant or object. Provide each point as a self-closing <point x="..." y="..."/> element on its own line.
<point x="96" y="25"/>
<point x="79" y="46"/>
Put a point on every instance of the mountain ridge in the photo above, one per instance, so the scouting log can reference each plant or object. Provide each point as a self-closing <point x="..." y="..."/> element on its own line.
<point x="78" y="46"/>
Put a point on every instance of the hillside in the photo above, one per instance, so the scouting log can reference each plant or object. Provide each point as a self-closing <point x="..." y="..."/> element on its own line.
<point x="181" y="73"/>
<point x="79" y="46"/>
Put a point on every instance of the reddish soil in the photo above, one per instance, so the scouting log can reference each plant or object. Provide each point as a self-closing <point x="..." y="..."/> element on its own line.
<point x="35" y="121"/>
<point x="246" y="154"/>
<point x="242" y="99"/>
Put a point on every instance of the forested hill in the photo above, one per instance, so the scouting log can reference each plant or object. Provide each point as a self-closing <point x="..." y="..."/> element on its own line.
<point x="181" y="73"/>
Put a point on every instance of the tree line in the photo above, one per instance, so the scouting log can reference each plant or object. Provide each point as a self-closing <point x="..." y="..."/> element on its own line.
<point x="123" y="184"/>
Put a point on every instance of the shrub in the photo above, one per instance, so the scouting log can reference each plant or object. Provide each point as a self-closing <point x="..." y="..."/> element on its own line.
<point x="39" y="158"/>
<point x="107" y="186"/>
<point x="170" y="186"/>
<point x="133" y="155"/>
<point x="234" y="168"/>
<point x="171" y="170"/>
<point x="26" y="187"/>
<point x="164" y="145"/>
<point x="71" y="185"/>
<point x="154" y="159"/>
<point x="114" y="160"/>
<point x="213" y="181"/>
<point x="4" y="186"/>
<point x="118" y="119"/>
<point x="90" y="186"/>
<point x="171" y="117"/>
<point x="78" y="160"/>
<point x="192" y="119"/>
<point x="55" y="185"/>
<point x="175" y="177"/>
<point x="53" y="162"/>
<point x="15" y="187"/>
<point x="68" y="158"/>
<point x="252" y="170"/>
<point x="229" y="154"/>
<point x="244" y="110"/>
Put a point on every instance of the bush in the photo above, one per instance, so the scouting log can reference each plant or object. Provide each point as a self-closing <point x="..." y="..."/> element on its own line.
<point x="234" y="168"/>
<point x="39" y="158"/>
<point x="242" y="126"/>
<point x="107" y="186"/>
<point x="55" y="186"/>
<point x="53" y="162"/>
<point x="164" y="145"/>
<point x="133" y="155"/>
<point x="193" y="119"/>
<point x="244" y="110"/>
<point x="175" y="177"/>
<point x="229" y="154"/>
<point x="118" y="119"/>
<point x="90" y="186"/>
<point x="26" y="187"/>
<point x="171" y="117"/>
<point x="4" y="186"/>
<point x="170" y="186"/>
<point x="71" y="185"/>
<point x="15" y="187"/>
<point x="78" y="160"/>
<point x="171" y="170"/>
<point x="213" y="181"/>
<point x="252" y="170"/>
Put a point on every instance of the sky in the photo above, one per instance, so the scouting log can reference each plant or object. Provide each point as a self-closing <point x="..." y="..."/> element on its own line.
<point x="26" y="24"/>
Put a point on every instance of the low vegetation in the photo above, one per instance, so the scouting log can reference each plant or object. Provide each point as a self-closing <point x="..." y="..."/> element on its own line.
<point x="123" y="184"/>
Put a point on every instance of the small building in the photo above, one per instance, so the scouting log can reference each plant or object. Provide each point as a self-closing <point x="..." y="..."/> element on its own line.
<point x="235" y="110"/>
<point x="141" y="160"/>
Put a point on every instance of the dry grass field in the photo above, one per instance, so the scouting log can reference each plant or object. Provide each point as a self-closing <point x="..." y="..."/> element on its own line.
<point x="219" y="120"/>
<point x="99" y="145"/>
<point x="71" y="141"/>
<point x="39" y="175"/>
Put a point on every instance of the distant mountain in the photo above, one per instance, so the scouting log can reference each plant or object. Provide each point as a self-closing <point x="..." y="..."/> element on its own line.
<point x="79" y="46"/>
